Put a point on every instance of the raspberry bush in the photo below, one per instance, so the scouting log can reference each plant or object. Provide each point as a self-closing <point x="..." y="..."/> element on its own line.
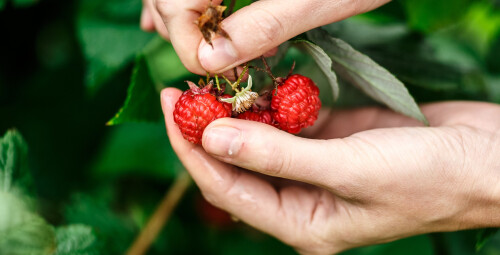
<point x="72" y="185"/>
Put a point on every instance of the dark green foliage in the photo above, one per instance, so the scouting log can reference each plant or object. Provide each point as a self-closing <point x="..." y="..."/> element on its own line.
<point x="142" y="103"/>
<point x="110" y="37"/>
<point x="483" y="236"/>
<point x="88" y="188"/>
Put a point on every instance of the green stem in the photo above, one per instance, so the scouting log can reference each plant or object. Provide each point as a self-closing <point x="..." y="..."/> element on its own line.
<point x="208" y="77"/>
<point x="234" y="86"/>
<point x="245" y="69"/>
<point x="217" y="81"/>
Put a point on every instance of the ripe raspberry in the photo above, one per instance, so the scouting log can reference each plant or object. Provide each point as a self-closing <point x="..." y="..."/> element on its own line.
<point x="264" y="116"/>
<point x="296" y="104"/>
<point x="213" y="216"/>
<point x="195" y="109"/>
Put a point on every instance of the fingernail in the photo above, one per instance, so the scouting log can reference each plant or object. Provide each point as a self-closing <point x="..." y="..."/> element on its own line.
<point x="222" y="55"/>
<point x="222" y="141"/>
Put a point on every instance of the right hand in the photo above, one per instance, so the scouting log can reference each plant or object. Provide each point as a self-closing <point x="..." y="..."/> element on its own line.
<point x="365" y="176"/>
<point x="254" y="30"/>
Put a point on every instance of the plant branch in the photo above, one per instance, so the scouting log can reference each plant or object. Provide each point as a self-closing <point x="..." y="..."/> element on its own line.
<point x="268" y="69"/>
<point x="230" y="9"/>
<point x="161" y="215"/>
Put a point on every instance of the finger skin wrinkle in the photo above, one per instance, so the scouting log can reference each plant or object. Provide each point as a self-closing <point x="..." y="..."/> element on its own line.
<point x="276" y="162"/>
<point x="269" y="26"/>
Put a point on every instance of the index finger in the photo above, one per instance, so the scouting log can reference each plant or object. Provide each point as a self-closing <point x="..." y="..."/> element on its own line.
<point x="179" y="18"/>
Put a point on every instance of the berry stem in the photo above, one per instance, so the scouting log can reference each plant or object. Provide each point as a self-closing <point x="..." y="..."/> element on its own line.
<point x="268" y="69"/>
<point x="235" y="85"/>
<point x="217" y="82"/>
<point x="208" y="77"/>
<point x="235" y="72"/>
<point x="291" y="70"/>
<point x="245" y="69"/>
<point x="230" y="9"/>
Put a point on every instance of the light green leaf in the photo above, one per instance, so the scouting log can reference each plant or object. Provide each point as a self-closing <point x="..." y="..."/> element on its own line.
<point x="164" y="65"/>
<point x="480" y="26"/>
<point x="110" y="37"/>
<point x="76" y="239"/>
<point x="14" y="172"/>
<point x="21" y="231"/>
<point x="324" y="63"/>
<point x="483" y="236"/>
<point x="430" y="15"/>
<point x="143" y="100"/>
<point x="364" y="73"/>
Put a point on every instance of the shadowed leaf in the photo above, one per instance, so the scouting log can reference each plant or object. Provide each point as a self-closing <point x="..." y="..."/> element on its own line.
<point x="367" y="75"/>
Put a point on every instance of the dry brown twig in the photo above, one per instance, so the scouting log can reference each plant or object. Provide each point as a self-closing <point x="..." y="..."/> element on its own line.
<point x="161" y="215"/>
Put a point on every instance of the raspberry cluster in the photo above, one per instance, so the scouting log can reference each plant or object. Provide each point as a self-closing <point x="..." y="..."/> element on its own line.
<point x="294" y="105"/>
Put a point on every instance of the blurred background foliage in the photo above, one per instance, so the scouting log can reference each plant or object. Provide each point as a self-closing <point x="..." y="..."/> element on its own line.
<point x="76" y="186"/>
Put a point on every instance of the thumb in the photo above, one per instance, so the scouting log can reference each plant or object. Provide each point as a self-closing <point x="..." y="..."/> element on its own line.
<point x="267" y="150"/>
<point x="263" y="25"/>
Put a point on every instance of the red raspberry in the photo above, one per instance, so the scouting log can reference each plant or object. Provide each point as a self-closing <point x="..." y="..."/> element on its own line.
<point x="213" y="216"/>
<point x="296" y="104"/>
<point x="195" y="109"/>
<point x="264" y="116"/>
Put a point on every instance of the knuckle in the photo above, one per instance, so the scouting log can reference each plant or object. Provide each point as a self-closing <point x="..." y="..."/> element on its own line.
<point x="219" y="195"/>
<point x="211" y="197"/>
<point x="164" y="8"/>
<point x="311" y="245"/>
<point x="269" y="27"/>
<point x="277" y="162"/>
<point x="192" y="68"/>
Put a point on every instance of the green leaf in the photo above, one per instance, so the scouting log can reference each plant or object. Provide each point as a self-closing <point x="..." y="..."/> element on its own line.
<point x="143" y="100"/>
<point x="21" y="231"/>
<point x="238" y="4"/>
<point x="483" y="236"/>
<point x="14" y="170"/>
<point x="430" y="15"/>
<point x="325" y="64"/>
<point x="364" y="73"/>
<point x="2" y="4"/>
<point x="437" y="65"/>
<point x="164" y="65"/>
<point x="115" y="231"/>
<point x="480" y="26"/>
<point x="76" y="239"/>
<point x="139" y="149"/>
<point x="110" y="37"/>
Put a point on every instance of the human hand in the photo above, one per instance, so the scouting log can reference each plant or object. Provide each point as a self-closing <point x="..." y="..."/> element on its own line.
<point x="375" y="180"/>
<point x="254" y="30"/>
